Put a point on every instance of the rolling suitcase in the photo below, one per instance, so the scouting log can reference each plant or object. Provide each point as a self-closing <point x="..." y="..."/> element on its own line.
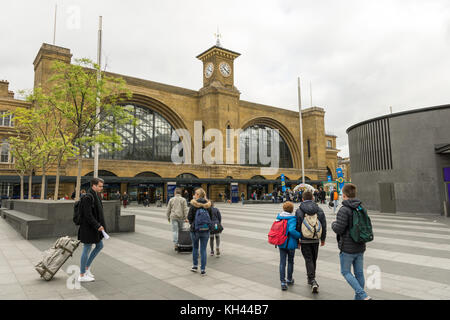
<point x="184" y="240"/>
<point x="54" y="258"/>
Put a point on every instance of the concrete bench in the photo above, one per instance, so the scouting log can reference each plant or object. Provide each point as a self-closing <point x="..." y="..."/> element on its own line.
<point x="35" y="219"/>
<point x="22" y="222"/>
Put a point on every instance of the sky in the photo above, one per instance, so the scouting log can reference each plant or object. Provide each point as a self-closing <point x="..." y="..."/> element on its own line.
<point x="357" y="58"/>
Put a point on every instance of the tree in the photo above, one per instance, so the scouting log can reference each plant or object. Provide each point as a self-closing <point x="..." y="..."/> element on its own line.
<point x="50" y="135"/>
<point x="24" y="152"/>
<point x="75" y="92"/>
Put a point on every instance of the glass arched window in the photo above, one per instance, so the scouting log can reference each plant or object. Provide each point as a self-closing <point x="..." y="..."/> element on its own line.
<point x="148" y="174"/>
<point x="5" y="156"/>
<point x="150" y="140"/>
<point x="187" y="176"/>
<point x="250" y="137"/>
<point x="102" y="173"/>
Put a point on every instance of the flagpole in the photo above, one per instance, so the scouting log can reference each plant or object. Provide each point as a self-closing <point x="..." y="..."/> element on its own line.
<point x="97" y="111"/>
<point x="54" y="26"/>
<point x="301" y="130"/>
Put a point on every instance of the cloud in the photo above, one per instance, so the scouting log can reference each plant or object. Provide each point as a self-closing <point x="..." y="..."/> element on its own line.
<point x="361" y="56"/>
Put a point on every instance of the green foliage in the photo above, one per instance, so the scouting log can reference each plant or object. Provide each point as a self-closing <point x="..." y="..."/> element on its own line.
<point x="63" y="120"/>
<point x="76" y="92"/>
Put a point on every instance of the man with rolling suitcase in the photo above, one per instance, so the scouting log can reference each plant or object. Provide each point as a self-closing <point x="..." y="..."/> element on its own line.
<point x="177" y="211"/>
<point x="92" y="223"/>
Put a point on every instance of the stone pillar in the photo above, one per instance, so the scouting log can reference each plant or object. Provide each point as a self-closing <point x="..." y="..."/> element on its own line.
<point x="44" y="60"/>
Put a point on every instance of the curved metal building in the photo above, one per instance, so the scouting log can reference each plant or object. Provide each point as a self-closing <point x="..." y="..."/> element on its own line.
<point x="401" y="162"/>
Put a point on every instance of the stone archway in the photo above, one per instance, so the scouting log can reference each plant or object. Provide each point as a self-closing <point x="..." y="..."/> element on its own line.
<point x="291" y="142"/>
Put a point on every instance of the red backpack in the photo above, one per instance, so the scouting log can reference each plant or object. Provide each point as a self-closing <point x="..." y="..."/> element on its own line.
<point x="278" y="232"/>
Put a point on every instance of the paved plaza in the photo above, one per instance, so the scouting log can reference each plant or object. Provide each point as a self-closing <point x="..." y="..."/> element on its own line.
<point x="412" y="253"/>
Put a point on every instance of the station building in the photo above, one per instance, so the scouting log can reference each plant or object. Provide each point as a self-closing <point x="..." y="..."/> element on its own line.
<point x="145" y="164"/>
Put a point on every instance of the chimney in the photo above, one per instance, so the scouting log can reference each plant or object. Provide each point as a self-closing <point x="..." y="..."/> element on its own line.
<point x="4" y="92"/>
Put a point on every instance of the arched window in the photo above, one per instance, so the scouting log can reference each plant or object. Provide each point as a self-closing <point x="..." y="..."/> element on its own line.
<point x="187" y="176"/>
<point x="101" y="173"/>
<point x="257" y="178"/>
<point x="148" y="174"/>
<point x="250" y="145"/>
<point x="329" y="173"/>
<point x="150" y="140"/>
<point x="228" y="136"/>
<point x="5" y="156"/>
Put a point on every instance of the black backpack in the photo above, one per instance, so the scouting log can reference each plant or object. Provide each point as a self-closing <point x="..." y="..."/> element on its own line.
<point x="76" y="209"/>
<point x="216" y="226"/>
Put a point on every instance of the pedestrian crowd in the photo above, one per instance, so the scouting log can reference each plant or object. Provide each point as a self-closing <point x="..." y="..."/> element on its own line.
<point x="306" y="229"/>
<point x="303" y="229"/>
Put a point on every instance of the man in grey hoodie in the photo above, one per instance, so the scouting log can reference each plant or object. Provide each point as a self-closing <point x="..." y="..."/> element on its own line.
<point x="177" y="211"/>
<point x="310" y="247"/>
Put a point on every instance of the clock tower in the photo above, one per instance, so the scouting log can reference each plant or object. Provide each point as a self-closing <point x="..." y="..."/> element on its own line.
<point x="219" y="98"/>
<point x="218" y="67"/>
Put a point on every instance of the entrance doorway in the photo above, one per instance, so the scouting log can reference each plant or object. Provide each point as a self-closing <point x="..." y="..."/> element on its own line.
<point x="188" y="190"/>
<point x="137" y="192"/>
<point x="387" y="197"/>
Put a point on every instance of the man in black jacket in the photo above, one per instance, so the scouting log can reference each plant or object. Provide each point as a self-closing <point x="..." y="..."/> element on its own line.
<point x="91" y="226"/>
<point x="310" y="247"/>
<point x="351" y="253"/>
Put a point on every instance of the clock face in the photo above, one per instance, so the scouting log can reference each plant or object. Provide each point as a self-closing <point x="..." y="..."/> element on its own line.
<point x="209" y="69"/>
<point x="225" y="69"/>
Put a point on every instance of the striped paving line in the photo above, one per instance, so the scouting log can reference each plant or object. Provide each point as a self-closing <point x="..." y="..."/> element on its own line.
<point x="217" y="284"/>
<point x="255" y="217"/>
<point x="267" y="225"/>
<point x="394" y="223"/>
<point x="413" y="244"/>
<point x="326" y="210"/>
<point x="20" y="255"/>
<point x="426" y="261"/>
<point x="407" y="286"/>
<point x="329" y="214"/>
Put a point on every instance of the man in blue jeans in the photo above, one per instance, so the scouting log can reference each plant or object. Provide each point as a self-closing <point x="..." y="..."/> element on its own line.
<point x="351" y="252"/>
<point x="91" y="226"/>
<point x="202" y="237"/>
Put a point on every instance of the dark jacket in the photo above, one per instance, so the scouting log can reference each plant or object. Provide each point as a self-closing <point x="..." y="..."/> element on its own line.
<point x="341" y="227"/>
<point x="309" y="207"/>
<point x="196" y="204"/>
<point x="91" y="218"/>
<point x="323" y="195"/>
<point x="216" y="216"/>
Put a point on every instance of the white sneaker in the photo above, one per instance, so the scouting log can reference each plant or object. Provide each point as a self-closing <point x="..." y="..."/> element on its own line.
<point x="85" y="278"/>
<point x="88" y="273"/>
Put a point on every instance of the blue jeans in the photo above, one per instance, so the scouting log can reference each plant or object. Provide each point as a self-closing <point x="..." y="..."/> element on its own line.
<point x="289" y="254"/>
<point x="203" y="238"/>
<point x="355" y="281"/>
<point x="176" y="225"/>
<point x="336" y="203"/>
<point x="85" y="261"/>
